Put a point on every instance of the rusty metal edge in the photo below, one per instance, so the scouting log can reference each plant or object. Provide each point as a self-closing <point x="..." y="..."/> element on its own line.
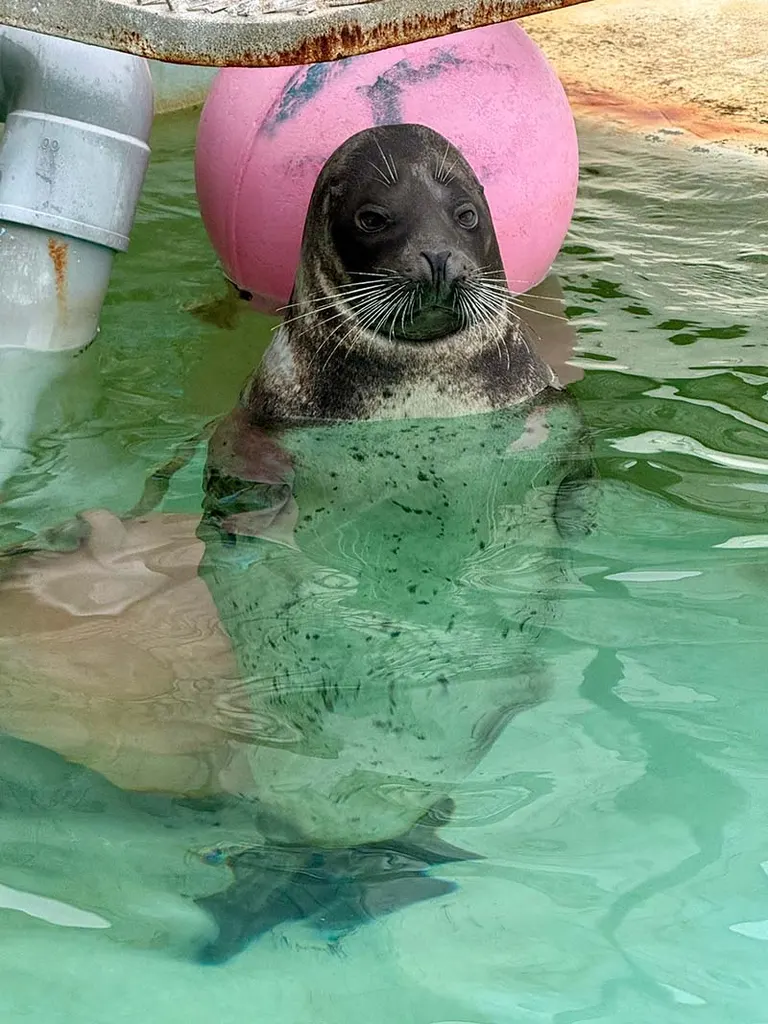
<point x="272" y="40"/>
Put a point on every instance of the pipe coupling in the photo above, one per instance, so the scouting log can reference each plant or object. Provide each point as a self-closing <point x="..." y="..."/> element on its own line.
<point x="70" y="177"/>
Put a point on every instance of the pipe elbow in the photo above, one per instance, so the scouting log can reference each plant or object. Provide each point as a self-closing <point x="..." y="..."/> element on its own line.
<point x="75" y="148"/>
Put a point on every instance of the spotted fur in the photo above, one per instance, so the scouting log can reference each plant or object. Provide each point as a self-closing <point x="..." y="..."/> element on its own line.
<point x="325" y="365"/>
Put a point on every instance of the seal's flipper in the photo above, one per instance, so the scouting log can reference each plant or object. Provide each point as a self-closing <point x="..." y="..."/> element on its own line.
<point x="387" y="895"/>
<point x="248" y="485"/>
<point x="352" y="903"/>
<point x="157" y="485"/>
<point x="260" y="898"/>
<point x="335" y="891"/>
<point x="423" y="845"/>
<point x="577" y="498"/>
<point x="377" y="879"/>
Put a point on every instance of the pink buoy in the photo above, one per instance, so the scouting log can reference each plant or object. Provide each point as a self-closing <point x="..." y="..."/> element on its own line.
<point x="265" y="134"/>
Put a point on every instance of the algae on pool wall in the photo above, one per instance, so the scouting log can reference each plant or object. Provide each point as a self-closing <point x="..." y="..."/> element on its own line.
<point x="178" y="86"/>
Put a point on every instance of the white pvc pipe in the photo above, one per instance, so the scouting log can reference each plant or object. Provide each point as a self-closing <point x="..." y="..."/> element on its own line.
<point x="73" y="157"/>
<point x="52" y="289"/>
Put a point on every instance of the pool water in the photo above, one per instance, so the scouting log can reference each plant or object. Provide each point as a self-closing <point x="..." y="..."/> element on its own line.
<point x="624" y="821"/>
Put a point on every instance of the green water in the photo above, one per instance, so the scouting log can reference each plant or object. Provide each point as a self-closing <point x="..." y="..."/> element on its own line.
<point x="623" y="821"/>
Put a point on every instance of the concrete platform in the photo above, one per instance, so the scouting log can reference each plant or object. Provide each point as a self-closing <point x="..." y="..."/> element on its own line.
<point x="693" y="70"/>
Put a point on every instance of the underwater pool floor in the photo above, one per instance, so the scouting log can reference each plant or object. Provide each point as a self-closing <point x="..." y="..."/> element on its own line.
<point x="624" y="821"/>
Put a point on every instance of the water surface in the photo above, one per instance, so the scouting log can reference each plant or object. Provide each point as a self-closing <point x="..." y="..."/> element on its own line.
<point x="623" y="821"/>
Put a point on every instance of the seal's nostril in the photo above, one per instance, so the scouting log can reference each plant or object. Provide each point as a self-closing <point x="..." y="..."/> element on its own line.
<point x="438" y="266"/>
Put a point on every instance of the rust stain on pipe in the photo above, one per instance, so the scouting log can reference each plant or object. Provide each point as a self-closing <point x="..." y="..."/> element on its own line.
<point x="59" y="253"/>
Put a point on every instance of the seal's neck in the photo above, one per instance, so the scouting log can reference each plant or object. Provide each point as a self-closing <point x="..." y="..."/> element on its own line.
<point x="321" y="367"/>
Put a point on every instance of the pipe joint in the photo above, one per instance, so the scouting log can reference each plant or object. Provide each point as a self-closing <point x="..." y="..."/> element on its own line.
<point x="69" y="177"/>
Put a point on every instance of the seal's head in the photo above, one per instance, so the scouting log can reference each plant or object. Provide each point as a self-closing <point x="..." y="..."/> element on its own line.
<point x="400" y="305"/>
<point x="399" y="224"/>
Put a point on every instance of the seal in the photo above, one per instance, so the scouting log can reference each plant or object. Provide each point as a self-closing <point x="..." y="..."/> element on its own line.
<point x="383" y="527"/>
<point x="381" y="556"/>
<point x="400" y="306"/>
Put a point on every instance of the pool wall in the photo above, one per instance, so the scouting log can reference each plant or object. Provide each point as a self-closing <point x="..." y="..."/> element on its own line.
<point x="178" y="86"/>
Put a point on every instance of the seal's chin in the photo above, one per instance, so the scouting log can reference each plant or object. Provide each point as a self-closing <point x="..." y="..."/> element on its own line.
<point x="435" y="322"/>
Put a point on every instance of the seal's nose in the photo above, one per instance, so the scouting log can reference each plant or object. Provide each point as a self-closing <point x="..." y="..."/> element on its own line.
<point x="438" y="266"/>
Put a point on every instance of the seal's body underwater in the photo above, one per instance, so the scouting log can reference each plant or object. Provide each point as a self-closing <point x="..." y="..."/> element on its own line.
<point x="385" y="508"/>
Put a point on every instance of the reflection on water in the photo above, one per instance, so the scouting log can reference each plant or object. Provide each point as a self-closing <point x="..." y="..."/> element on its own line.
<point x="390" y="633"/>
<point x="622" y="820"/>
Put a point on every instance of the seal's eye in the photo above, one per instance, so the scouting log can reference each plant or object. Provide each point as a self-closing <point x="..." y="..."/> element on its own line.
<point x="466" y="215"/>
<point x="371" y="219"/>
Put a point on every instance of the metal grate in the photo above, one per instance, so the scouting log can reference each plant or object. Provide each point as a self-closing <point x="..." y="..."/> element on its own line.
<point x="259" y="33"/>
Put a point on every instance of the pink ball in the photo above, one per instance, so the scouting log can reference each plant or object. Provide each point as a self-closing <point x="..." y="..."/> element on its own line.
<point x="265" y="134"/>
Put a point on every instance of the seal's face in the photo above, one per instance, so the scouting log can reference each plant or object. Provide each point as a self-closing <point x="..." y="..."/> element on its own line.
<point x="400" y="306"/>
<point x="415" y="252"/>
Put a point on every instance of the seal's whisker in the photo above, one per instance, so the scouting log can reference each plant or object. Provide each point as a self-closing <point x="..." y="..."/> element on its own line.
<point x="370" y="306"/>
<point x="540" y="298"/>
<point x="471" y="311"/>
<point x="448" y="176"/>
<point x="383" y="282"/>
<point x="486" y="281"/>
<point x="482" y="288"/>
<point x="378" y="296"/>
<point x="358" y="327"/>
<point x="505" y="343"/>
<point x="369" y="309"/>
<point x="411" y="312"/>
<point x="321" y="302"/>
<point x="309" y="313"/>
<point x="354" y="329"/>
<point x="393" y="165"/>
<point x="304" y="316"/>
<point x="350" y="297"/>
<point x="368" y="286"/>
<point x="499" y="336"/>
<point x="312" y="305"/>
<point x="502" y="334"/>
<point x="519" y="335"/>
<point x="461" y="303"/>
<point x="496" y="310"/>
<point x="385" y="313"/>
<point x="407" y="303"/>
<point x="314" y="312"/>
<point x="439" y="172"/>
<point x="492" y="286"/>
<point x="493" y="277"/>
<point x="391" y="176"/>
<point x="500" y="277"/>
<point x="327" y="340"/>
<point x="540" y="312"/>
<point x="489" y="270"/>
<point x="490" y="304"/>
<point x="383" y="272"/>
<point x="522" y="280"/>
<point x="399" y="306"/>
<point x="380" y="176"/>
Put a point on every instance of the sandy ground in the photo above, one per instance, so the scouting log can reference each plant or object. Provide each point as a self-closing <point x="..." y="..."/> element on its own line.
<point x="694" y="68"/>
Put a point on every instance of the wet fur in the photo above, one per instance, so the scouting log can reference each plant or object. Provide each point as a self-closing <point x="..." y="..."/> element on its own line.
<point x="312" y="375"/>
<point x="304" y="378"/>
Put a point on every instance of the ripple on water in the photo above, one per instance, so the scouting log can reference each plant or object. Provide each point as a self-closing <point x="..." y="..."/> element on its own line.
<point x="623" y="820"/>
